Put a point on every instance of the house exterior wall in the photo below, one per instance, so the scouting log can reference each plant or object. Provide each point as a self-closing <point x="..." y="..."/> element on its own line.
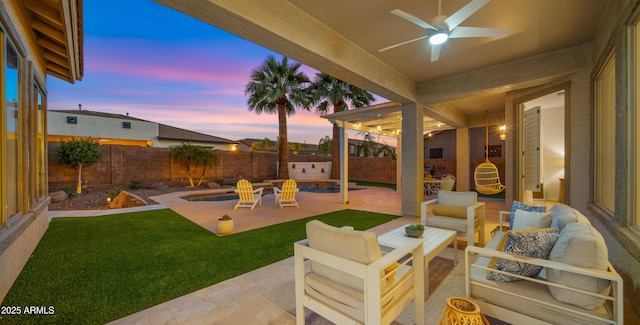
<point x="21" y="231"/>
<point x="101" y="127"/>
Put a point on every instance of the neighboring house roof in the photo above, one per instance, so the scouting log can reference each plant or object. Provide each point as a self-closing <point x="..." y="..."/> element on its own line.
<point x="168" y="132"/>
<point x="165" y="132"/>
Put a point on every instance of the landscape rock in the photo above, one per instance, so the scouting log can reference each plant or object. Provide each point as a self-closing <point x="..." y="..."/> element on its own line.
<point x="126" y="200"/>
<point x="58" y="196"/>
<point x="213" y="185"/>
<point x="158" y="186"/>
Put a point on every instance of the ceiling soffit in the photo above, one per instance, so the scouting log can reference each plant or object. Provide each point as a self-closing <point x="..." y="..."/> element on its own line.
<point x="57" y="26"/>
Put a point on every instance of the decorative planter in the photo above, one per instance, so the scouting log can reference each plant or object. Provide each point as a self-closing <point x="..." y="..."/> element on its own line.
<point x="462" y="311"/>
<point x="225" y="227"/>
<point x="413" y="232"/>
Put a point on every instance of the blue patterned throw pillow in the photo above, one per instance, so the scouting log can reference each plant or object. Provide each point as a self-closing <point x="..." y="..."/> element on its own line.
<point x="521" y="206"/>
<point x="536" y="243"/>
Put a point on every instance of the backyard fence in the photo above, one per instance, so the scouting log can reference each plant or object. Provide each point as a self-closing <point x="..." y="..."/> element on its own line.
<point x="121" y="165"/>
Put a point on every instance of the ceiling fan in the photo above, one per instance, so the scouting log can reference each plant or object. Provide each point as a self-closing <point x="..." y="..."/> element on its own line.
<point x="442" y="27"/>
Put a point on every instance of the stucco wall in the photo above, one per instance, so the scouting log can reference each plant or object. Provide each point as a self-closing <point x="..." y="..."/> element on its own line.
<point x="100" y="127"/>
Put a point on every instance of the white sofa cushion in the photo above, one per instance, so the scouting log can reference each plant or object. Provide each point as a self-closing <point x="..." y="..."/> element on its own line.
<point x="579" y="245"/>
<point x="358" y="246"/>
<point x="523" y="220"/>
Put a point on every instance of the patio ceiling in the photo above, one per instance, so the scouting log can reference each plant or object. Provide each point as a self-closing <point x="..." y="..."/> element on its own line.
<point x="384" y="119"/>
<point x="470" y="78"/>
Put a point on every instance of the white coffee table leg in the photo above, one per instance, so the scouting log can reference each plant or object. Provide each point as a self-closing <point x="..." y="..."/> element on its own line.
<point x="426" y="279"/>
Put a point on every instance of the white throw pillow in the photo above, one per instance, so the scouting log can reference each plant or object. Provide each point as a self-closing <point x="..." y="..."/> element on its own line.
<point x="527" y="220"/>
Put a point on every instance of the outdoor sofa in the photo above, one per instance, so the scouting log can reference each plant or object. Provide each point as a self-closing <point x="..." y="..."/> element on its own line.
<point x="576" y="284"/>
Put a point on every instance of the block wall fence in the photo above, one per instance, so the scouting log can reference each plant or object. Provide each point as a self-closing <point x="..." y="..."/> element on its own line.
<point x="121" y="165"/>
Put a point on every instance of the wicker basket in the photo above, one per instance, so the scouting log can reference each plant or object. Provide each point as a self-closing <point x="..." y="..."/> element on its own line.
<point x="460" y="311"/>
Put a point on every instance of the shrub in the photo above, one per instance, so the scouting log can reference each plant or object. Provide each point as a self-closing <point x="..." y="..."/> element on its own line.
<point x="113" y="192"/>
<point x="69" y="192"/>
<point x="135" y="185"/>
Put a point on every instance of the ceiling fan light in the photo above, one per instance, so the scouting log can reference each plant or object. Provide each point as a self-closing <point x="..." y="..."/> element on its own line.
<point x="438" y="37"/>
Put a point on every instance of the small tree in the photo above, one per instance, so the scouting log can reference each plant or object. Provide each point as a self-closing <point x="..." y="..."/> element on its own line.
<point x="186" y="153"/>
<point x="78" y="153"/>
<point x="193" y="155"/>
<point x="206" y="158"/>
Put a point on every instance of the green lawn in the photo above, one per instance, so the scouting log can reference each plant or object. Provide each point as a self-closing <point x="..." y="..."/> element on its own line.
<point x="95" y="270"/>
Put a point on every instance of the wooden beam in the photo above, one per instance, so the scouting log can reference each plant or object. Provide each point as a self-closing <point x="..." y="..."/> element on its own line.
<point x="52" y="46"/>
<point x="52" y="67"/>
<point x="49" y="31"/>
<point x="50" y="15"/>
<point x="56" y="58"/>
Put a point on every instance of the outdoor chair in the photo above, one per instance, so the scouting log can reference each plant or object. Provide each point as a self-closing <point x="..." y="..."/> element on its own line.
<point x="248" y="197"/>
<point x="459" y="211"/>
<point x="350" y="281"/>
<point x="287" y="195"/>
<point x="447" y="182"/>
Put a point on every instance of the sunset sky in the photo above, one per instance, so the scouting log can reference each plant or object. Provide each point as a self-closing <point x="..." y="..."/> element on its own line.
<point x="160" y="65"/>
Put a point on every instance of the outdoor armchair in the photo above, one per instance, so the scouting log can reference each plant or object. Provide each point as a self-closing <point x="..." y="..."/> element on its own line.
<point x="459" y="211"/>
<point x="287" y="195"/>
<point x="248" y="197"/>
<point x="350" y="281"/>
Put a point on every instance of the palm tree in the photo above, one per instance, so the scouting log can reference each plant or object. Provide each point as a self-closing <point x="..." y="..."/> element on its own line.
<point x="263" y="145"/>
<point x="324" y="146"/>
<point x="328" y="92"/>
<point x="296" y="147"/>
<point x="278" y="87"/>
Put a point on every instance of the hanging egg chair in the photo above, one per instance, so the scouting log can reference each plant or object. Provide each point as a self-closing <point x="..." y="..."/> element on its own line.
<point x="486" y="176"/>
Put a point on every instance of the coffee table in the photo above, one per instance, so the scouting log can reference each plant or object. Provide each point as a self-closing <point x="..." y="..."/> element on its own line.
<point x="434" y="242"/>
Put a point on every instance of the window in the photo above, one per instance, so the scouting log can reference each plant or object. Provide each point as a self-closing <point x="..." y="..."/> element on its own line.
<point x="435" y="153"/>
<point x="10" y="131"/>
<point x="495" y="150"/>
<point x="41" y="151"/>
<point x="126" y="125"/>
<point x="72" y="120"/>
<point x="604" y="136"/>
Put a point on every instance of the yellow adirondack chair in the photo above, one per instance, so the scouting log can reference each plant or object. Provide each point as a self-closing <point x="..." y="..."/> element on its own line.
<point x="287" y="195"/>
<point x="248" y="196"/>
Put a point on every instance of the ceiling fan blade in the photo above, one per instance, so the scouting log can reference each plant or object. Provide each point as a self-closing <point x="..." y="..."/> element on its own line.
<point x="412" y="18"/>
<point x="435" y="52"/>
<point x="461" y="32"/>
<point x="461" y="15"/>
<point x="403" y="43"/>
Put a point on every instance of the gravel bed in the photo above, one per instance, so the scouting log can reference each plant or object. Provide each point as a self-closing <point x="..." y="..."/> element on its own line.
<point x="96" y="199"/>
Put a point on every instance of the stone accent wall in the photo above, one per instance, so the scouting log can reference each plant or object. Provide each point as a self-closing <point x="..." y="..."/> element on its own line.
<point x="372" y="169"/>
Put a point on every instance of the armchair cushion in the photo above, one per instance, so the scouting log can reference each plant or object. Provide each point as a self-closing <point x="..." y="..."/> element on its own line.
<point x="358" y="246"/>
<point x="457" y="198"/>
<point x="516" y="205"/>
<point x="456" y="211"/>
<point x="527" y="220"/>
<point x="536" y="243"/>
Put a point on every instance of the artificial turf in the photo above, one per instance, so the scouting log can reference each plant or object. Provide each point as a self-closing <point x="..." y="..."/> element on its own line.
<point x="94" y="270"/>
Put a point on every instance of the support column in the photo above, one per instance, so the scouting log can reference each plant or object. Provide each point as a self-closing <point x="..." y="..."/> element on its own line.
<point x="463" y="162"/>
<point x="412" y="159"/>
<point x="344" y="164"/>
<point x="399" y="165"/>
